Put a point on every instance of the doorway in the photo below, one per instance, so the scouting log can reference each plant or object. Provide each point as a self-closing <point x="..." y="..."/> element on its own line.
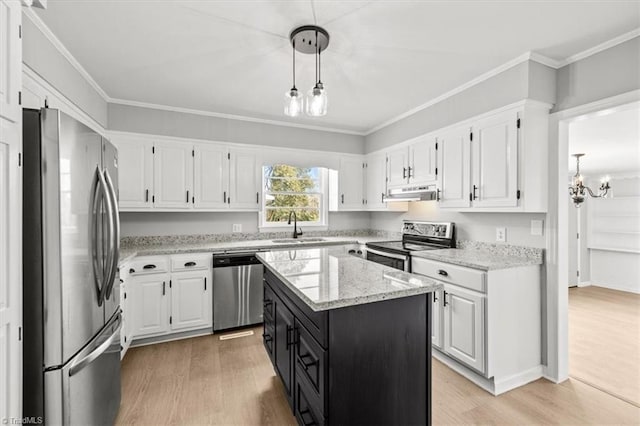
<point x="603" y="251"/>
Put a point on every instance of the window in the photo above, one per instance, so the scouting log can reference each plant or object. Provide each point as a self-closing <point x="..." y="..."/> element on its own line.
<point x="293" y="189"/>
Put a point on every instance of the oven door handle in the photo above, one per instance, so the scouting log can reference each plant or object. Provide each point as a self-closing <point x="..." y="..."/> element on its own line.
<point x="386" y="254"/>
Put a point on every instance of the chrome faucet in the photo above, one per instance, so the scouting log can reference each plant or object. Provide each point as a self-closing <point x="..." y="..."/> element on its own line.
<point x="296" y="233"/>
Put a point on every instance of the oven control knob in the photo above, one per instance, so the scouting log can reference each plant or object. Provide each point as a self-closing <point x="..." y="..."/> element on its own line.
<point x="359" y="251"/>
<point x="352" y="252"/>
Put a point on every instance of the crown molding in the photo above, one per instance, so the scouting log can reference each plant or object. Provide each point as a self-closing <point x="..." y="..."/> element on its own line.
<point x="600" y="47"/>
<point x="232" y="116"/>
<point x="528" y="56"/>
<point x="39" y="23"/>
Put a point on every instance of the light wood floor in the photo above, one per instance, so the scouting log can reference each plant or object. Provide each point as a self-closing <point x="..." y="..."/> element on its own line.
<point x="604" y="340"/>
<point x="207" y="381"/>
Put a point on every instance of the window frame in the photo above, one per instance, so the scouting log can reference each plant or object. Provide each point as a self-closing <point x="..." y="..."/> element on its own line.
<point x="323" y="194"/>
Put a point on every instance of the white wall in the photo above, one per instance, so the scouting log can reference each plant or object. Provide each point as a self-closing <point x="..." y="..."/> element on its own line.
<point x="143" y="224"/>
<point x="469" y="226"/>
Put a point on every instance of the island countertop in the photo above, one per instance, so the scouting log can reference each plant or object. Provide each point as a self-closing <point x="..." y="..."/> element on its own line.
<point x="328" y="278"/>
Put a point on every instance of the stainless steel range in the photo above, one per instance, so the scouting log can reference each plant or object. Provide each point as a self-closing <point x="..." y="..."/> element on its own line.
<point x="416" y="236"/>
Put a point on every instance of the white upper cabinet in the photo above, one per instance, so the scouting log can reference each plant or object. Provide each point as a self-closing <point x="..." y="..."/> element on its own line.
<point x="350" y="184"/>
<point x="376" y="181"/>
<point x="422" y="161"/>
<point x="454" y="171"/>
<point x="211" y="176"/>
<point x="244" y="191"/>
<point x="10" y="60"/>
<point x="173" y="175"/>
<point x="397" y="165"/>
<point x="494" y="161"/>
<point x="135" y="172"/>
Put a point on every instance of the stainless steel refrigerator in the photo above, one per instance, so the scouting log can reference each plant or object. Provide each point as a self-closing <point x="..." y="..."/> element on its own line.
<point x="71" y="313"/>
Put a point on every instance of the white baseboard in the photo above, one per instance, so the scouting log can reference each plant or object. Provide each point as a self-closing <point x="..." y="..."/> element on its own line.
<point x="493" y="386"/>
<point x="170" y="337"/>
<point x="584" y="283"/>
<point x="628" y="289"/>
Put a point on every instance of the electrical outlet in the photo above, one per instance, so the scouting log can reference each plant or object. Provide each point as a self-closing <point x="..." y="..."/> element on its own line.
<point x="501" y="235"/>
<point x="237" y="227"/>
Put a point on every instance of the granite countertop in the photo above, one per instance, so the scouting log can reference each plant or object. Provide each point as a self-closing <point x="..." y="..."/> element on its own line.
<point x="128" y="252"/>
<point x="328" y="277"/>
<point x="484" y="259"/>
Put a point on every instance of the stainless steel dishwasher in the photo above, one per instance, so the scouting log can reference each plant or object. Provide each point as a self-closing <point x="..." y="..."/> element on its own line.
<point x="237" y="290"/>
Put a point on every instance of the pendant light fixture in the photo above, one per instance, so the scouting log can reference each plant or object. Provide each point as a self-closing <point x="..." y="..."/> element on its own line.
<point x="577" y="189"/>
<point x="292" y="98"/>
<point x="309" y="39"/>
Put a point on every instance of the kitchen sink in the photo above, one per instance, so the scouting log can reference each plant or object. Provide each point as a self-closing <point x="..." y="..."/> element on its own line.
<point x="297" y="240"/>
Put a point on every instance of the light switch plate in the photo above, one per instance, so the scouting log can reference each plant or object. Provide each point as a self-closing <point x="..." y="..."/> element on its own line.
<point x="537" y="227"/>
<point x="237" y="227"/>
<point x="501" y="235"/>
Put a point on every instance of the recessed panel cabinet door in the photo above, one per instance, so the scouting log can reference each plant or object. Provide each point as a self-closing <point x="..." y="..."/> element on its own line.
<point x="423" y="161"/>
<point x="173" y="175"/>
<point x="397" y="163"/>
<point x="245" y="180"/>
<point x="494" y="161"/>
<point x="135" y="172"/>
<point x="150" y="304"/>
<point x="454" y="168"/>
<point x="376" y="181"/>
<point x="464" y="326"/>
<point x="10" y="60"/>
<point x="191" y="300"/>
<point x="284" y="347"/>
<point x="211" y="177"/>
<point x="350" y="184"/>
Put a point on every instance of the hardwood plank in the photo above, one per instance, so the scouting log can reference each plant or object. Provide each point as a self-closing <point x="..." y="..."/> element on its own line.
<point x="207" y="381"/>
<point x="604" y="340"/>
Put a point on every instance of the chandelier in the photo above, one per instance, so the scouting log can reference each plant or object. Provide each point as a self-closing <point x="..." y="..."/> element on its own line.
<point x="577" y="190"/>
<point x="309" y="39"/>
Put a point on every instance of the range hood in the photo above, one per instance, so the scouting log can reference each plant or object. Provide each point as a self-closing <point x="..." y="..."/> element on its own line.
<point x="412" y="193"/>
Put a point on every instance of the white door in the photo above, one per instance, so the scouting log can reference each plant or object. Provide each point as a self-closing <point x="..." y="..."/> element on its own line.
<point x="375" y="182"/>
<point x="436" y="320"/>
<point x="423" y="160"/>
<point x="464" y="326"/>
<point x="454" y="168"/>
<point x="210" y="177"/>
<point x="494" y="161"/>
<point x="10" y="213"/>
<point x="397" y="164"/>
<point x="150" y="304"/>
<point x="191" y="300"/>
<point x="244" y="182"/>
<point x="173" y="175"/>
<point x="135" y="172"/>
<point x="350" y="184"/>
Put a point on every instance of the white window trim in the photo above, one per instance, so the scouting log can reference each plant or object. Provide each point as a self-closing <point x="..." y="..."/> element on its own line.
<point x="323" y="225"/>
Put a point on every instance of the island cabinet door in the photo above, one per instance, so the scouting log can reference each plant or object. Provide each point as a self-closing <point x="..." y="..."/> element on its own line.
<point x="284" y="347"/>
<point x="268" y="334"/>
<point x="464" y="325"/>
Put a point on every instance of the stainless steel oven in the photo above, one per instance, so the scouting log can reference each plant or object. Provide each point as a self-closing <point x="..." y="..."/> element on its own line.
<point x="393" y="260"/>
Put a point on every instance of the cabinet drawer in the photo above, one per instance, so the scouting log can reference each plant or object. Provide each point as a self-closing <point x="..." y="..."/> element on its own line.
<point x="458" y="275"/>
<point x="188" y="262"/>
<point x="307" y="407"/>
<point x="149" y="265"/>
<point x="311" y="362"/>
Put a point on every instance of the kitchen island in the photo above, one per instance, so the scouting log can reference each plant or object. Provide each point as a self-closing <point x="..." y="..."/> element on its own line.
<point x="349" y="338"/>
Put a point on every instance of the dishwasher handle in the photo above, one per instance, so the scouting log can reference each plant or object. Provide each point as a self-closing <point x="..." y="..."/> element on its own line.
<point x="236" y="259"/>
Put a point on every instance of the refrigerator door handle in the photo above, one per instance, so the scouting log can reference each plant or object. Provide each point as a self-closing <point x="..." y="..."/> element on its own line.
<point x="98" y="273"/>
<point x="109" y="260"/>
<point x="114" y="248"/>
<point x="93" y="355"/>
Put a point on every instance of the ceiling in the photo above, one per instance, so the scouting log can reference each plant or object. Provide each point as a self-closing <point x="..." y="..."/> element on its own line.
<point x="384" y="57"/>
<point x="611" y="142"/>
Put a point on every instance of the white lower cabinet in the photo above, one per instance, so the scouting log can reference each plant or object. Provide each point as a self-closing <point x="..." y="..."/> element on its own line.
<point x="126" y="332"/>
<point x="169" y="300"/>
<point x="486" y="325"/>
<point x="190" y="300"/>
<point x="463" y="312"/>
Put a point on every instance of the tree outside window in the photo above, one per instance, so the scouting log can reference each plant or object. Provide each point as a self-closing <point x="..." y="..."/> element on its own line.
<point x="289" y="188"/>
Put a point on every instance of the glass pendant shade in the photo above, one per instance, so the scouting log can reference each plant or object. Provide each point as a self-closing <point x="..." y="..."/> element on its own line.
<point x="316" y="105"/>
<point x="293" y="103"/>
